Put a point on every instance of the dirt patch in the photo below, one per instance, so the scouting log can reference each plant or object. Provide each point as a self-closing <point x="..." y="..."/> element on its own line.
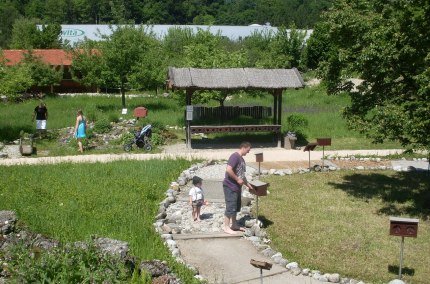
<point x="348" y="164"/>
<point x="343" y="164"/>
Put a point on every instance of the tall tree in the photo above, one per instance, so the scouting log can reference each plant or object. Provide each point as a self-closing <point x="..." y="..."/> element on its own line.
<point x="8" y="15"/>
<point x="387" y="44"/>
<point x="124" y="52"/>
<point x="26" y="35"/>
<point x="208" y="51"/>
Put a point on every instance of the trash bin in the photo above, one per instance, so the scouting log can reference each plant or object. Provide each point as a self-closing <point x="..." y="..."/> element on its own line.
<point x="290" y="140"/>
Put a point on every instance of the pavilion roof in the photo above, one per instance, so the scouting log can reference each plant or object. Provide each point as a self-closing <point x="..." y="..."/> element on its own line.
<point x="234" y="78"/>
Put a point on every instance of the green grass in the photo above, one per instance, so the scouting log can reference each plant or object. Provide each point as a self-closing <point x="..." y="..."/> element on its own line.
<point x="72" y="202"/>
<point x="339" y="222"/>
<point x="322" y="111"/>
<point x="324" y="114"/>
<point x="62" y="112"/>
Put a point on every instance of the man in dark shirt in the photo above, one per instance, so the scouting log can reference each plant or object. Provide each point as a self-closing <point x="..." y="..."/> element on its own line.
<point x="232" y="185"/>
<point x="41" y="115"/>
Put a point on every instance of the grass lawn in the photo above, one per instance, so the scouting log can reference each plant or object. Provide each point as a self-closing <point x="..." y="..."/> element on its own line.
<point x="322" y="111"/>
<point x="62" y="112"/>
<point x="339" y="222"/>
<point x="72" y="202"/>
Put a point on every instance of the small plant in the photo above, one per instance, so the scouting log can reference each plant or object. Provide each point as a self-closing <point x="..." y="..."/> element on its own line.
<point x="114" y="117"/>
<point x="65" y="264"/>
<point x="297" y="123"/>
<point x="102" y="126"/>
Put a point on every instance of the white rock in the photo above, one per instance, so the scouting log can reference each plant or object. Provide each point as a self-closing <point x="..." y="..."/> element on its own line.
<point x="396" y="281"/>
<point x="359" y="168"/>
<point x="171" y="244"/>
<point x="305" y="272"/>
<point x="278" y="254"/>
<point x="292" y="265"/>
<point x="334" y="278"/>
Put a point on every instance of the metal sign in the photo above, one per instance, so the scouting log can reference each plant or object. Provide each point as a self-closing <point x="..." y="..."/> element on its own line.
<point x="189" y="115"/>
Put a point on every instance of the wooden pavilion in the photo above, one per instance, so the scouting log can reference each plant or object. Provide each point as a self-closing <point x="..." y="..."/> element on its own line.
<point x="274" y="81"/>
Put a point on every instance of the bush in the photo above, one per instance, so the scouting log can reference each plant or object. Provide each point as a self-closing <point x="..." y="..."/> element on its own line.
<point x="66" y="264"/>
<point x="297" y="123"/>
<point x="114" y="117"/>
<point x="102" y="126"/>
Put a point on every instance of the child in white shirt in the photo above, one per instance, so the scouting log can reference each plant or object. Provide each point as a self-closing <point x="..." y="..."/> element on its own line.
<point x="197" y="198"/>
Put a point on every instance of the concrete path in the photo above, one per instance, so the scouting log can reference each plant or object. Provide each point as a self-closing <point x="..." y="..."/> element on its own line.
<point x="227" y="260"/>
<point x="179" y="151"/>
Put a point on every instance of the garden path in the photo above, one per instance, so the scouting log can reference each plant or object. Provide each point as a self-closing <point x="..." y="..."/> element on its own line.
<point x="179" y="151"/>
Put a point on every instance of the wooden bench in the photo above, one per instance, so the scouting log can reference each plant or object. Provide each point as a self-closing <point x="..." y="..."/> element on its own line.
<point x="234" y="128"/>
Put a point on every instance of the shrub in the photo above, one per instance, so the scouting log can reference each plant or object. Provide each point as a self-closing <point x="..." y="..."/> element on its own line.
<point x="102" y="126"/>
<point x="297" y="123"/>
<point x="66" y="264"/>
<point x="113" y="117"/>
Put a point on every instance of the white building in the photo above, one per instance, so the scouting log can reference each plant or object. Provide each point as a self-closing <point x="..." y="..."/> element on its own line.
<point x="76" y="33"/>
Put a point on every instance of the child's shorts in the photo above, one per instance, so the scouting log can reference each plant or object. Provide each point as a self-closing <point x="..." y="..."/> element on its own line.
<point x="197" y="203"/>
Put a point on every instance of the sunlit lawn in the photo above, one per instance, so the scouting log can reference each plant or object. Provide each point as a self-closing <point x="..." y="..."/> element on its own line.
<point x="72" y="202"/>
<point x="339" y="222"/>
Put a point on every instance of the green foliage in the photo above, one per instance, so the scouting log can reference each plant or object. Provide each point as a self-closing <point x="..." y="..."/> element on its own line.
<point x="317" y="46"/>
<point x="65" y="264"/>
<point x="386" y="45"/>
<point x="297" y="123"/>
<point x="113" y="117"/>
<point x="102" y="125"/>
<point x="8" y="15"/>
<point x="26" y="35"/>
<point x="31" y="71"/>
<point x="117" y="200"/>
<point x="87" y="65"/>
<point x="128" y="58"/>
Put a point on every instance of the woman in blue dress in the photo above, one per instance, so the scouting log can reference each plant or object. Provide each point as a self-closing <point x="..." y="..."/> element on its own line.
<point x="80" y="128"/>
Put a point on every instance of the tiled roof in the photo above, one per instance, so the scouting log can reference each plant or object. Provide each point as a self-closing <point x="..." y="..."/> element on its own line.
<point x="53" y="57"/>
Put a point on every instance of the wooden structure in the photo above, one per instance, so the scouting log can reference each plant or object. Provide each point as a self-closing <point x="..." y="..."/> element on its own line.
<point x="274" y="81"/>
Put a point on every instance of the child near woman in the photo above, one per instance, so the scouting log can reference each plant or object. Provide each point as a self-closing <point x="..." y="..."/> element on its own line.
<point x="197" y="199"/>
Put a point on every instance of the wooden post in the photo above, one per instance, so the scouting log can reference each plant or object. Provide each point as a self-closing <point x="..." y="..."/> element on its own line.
<point x="189" y="94"/>
<point x="279" y="113"/>
<point x="275" y="107"/>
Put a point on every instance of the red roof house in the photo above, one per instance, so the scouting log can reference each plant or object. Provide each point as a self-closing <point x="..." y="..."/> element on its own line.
<point x="52" y="57"/>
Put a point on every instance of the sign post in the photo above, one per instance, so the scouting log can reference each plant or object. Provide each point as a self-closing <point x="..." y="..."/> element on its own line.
<point x="310" y="147"/>
<point x="403" y="227"/>
<point x="323" y="142"/>
<point x="189" y="117"/>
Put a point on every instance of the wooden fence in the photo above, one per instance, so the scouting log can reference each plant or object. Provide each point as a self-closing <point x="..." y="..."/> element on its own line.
<point x="231" y="112"/>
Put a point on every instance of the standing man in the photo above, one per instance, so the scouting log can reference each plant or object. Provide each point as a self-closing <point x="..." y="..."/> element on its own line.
<point x="41" y="114"/>
<point x="232" y="184"/>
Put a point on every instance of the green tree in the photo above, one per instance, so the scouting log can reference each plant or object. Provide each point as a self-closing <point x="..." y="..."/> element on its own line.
<point x="208" y="51"/>
<point x="8" y="15"/>
<point x="88" y="65"/>
<point x="31" y="71"/>
<point x="125" y="51"/>
<point x="26" y="35"/>
<point x="387" y="44"/>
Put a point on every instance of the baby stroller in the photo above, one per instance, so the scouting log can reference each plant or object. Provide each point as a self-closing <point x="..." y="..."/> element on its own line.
<point x="141" y="139"/>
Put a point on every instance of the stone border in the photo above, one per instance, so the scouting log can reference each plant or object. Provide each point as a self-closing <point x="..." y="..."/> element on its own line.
<point x="254" y="231"/>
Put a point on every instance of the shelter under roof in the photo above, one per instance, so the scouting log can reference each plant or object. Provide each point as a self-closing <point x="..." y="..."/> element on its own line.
<point x="234" y="78"/>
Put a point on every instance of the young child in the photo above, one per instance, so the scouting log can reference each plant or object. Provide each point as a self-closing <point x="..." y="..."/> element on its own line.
<point x="197" y="198"/>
